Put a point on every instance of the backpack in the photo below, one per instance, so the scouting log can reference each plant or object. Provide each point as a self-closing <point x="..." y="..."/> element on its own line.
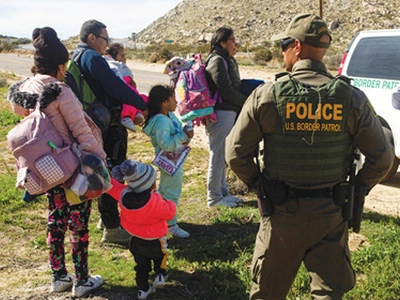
<point x="42" y="159"/>
<point x="192" y="93"/>
<point x="75" y="79"/>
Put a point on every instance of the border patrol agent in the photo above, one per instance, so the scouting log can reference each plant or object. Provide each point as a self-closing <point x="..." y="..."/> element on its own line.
<point x="310" y="123"/>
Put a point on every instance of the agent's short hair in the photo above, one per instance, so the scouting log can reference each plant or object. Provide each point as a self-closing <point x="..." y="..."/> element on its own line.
<point x="90" y="26"/>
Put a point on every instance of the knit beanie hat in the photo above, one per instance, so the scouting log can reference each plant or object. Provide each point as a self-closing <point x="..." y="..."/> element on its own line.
<point x="140" y="177"/>
<point x="49" y="51"/>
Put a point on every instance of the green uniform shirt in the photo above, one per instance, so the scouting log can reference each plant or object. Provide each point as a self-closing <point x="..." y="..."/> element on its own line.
<point x="259" y="116"/>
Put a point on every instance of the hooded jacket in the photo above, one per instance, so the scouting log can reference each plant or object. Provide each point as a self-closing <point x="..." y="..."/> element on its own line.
<point x="166" y="132"/>
<point x="148" y="221"/>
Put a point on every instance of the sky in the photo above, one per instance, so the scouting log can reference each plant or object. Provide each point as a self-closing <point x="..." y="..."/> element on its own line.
<point x="19" y="18"/>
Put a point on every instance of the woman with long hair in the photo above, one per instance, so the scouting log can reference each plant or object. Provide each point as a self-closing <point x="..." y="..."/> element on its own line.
<point x="65" y="112"/>
<point x="223" y="76"/>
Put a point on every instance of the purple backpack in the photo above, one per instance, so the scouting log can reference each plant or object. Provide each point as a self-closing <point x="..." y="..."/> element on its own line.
<point x="42" y="159"/>
<point x="192" y="93"/>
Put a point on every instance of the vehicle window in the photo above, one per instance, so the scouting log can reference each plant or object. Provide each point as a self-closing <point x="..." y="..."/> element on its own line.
<point x="376" y="57"/>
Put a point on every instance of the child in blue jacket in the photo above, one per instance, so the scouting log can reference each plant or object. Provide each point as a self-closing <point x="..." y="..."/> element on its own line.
<point x="167" y="133"/>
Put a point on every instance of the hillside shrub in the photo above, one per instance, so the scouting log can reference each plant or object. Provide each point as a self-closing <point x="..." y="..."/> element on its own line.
<point x="332" y="61"/>
<point x="153" y="57"/>
<point x="21" y="41"/>
<point x="5" y="46"/>
<point x="3" y="82"/>
<point x="165" y="54"/>
<point x="262" y="56"/>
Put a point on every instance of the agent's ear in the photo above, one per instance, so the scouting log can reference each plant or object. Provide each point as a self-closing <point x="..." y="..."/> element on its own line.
<point x="297" y="47"/>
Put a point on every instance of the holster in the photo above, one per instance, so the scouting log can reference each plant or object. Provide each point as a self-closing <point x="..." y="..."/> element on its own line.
<point x="269" y="192"/>
<point x="342" y="197"/>
<point x="263" y="200"/>
<point x="357" y="214"/>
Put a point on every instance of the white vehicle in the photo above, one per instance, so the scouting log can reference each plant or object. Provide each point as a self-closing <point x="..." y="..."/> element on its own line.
<point x="372" y="60"/>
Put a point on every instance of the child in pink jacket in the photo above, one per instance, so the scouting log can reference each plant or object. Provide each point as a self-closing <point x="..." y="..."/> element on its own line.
<point x="144" y="214"/>
<point x="115" y="57"/>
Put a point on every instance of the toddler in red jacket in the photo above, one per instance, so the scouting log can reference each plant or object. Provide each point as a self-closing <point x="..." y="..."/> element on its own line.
<point x="144" y="214"/>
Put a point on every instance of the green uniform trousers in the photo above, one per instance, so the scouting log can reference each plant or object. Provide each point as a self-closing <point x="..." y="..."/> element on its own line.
<point x="309" y="230"/>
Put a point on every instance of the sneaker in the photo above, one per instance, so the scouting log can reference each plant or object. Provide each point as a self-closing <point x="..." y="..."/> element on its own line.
<point x="233" y="199"/>
<point x="223" y="202"/>
<point x="61" y="283"/>
<point x="139" y="119"/>
<point x="128" y="123"/>
<point x="159" y="281"/>
<point x="100" y="225"/>
<point x="115" y="236"/>
<point x="143" y="295"/>
<point x="178" y="232"/>
<point x="82" y="289"/>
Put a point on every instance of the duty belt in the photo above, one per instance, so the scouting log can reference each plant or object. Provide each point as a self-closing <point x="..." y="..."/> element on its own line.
<point x="301" y="193"/>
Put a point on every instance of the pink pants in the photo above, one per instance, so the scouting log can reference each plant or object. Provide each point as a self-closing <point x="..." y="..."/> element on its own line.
<point x="129" y="110"/>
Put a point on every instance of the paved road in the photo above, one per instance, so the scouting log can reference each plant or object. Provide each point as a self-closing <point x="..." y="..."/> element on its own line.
<point x="21" y="65"/>
<point x="17" y="64"/>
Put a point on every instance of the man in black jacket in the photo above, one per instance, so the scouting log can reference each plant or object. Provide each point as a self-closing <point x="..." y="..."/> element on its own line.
<point x="112" y="92"/>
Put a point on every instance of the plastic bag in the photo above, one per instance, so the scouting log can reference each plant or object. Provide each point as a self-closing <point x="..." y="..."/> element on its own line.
<point x="92" y="179"/>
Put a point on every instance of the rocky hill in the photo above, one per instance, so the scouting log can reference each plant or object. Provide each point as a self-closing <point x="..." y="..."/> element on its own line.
<point x="255" y="21"/>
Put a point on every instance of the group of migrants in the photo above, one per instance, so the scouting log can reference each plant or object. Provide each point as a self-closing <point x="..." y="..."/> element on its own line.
<point x="300" y="186"/>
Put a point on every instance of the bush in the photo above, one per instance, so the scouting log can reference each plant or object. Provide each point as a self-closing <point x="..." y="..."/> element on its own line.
<point x="262" y="56"/>
<point x="22" y="41"/>
<point x="3" y="82"/>
<point x="153" y="57"/>
<point x="332" y="61"/>
<point x="165" y="54"/>
<point x="203" y="49"/>
<point x="4" y="46"/>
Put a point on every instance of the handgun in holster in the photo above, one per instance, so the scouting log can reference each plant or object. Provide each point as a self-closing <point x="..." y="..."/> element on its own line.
<point x="359" y="199"/>
<point x="347" y="194"/>
<point x="354" y="202"/>
<point x="264" y="202"/>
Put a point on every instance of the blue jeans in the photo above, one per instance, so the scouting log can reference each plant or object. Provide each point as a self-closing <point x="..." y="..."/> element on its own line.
<point x="217" y="188"/>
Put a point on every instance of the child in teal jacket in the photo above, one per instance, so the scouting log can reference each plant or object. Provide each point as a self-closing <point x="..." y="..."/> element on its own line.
<point x="167" y="133"/>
